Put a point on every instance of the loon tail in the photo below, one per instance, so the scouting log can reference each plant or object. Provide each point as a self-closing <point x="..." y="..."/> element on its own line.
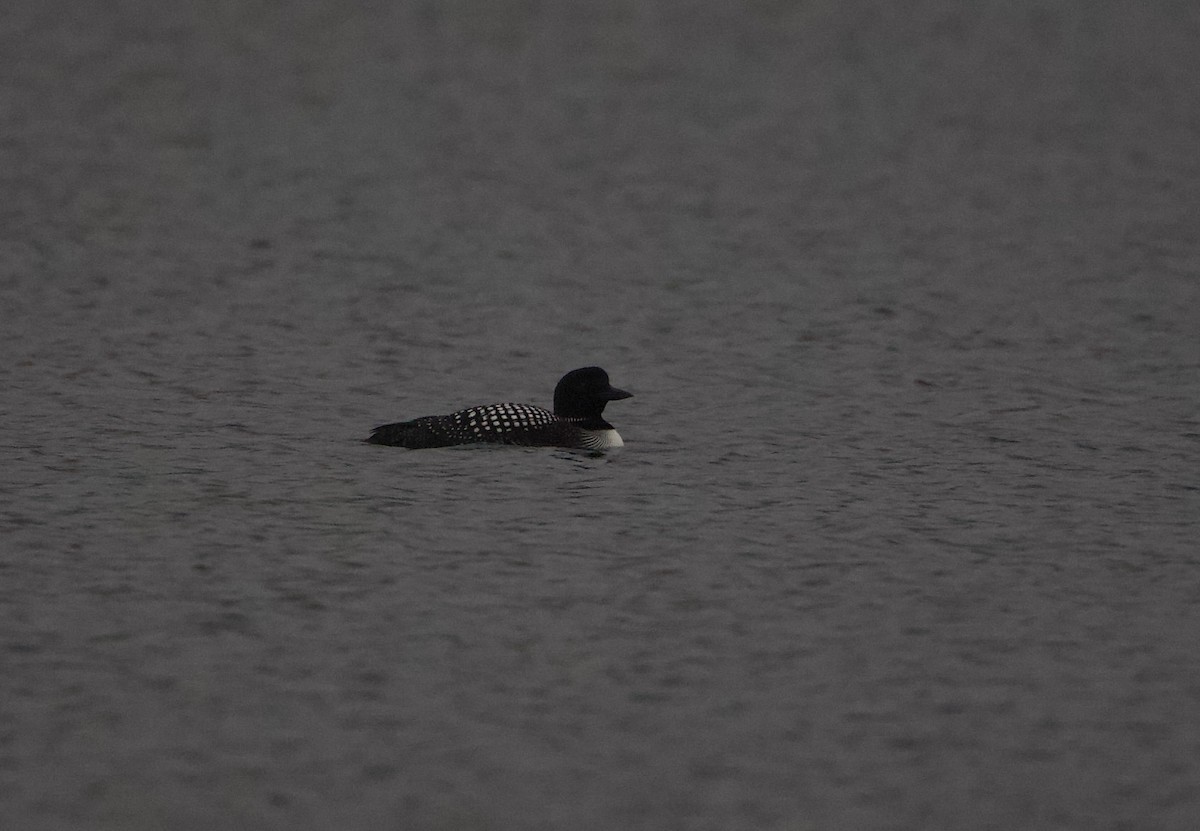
<point x="411" y="434"/>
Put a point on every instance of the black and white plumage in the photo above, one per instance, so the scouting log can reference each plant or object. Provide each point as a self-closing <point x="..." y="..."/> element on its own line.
<point x="576" y="422"/>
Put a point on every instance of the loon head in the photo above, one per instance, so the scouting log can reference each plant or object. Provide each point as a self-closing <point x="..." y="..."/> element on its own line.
<point x="582" y="393"/>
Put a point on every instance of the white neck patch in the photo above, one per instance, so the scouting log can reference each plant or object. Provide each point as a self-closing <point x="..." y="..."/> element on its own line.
<point x="602" y="439"/>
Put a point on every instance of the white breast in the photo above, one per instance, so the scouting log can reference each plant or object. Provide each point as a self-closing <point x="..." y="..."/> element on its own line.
<point x="602" y="439"/>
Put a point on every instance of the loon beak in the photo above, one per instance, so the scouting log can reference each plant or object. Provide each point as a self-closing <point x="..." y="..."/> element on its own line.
<point x="615" y="394"/>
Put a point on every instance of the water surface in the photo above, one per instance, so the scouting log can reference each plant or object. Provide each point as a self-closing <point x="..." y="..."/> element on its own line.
<point x="904" y="531"/>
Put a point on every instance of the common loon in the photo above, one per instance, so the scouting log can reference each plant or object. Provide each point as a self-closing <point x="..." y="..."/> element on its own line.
<point x="577" y="421"/>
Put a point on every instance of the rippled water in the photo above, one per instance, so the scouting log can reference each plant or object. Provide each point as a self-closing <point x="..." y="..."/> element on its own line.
<point x="904" y="531"/>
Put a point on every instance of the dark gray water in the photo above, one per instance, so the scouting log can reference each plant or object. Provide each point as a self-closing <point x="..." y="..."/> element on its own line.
<point x="905" y="531"/>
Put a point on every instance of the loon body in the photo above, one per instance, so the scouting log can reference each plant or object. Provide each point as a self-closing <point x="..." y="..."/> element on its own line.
<point x="576" y="422"/>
